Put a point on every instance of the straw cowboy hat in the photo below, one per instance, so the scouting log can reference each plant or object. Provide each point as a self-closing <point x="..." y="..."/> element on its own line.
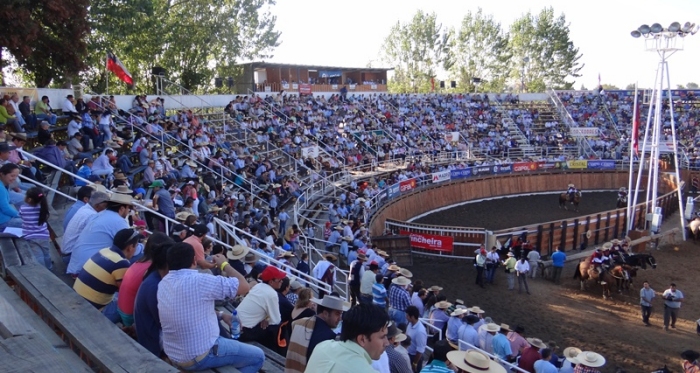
<point x="332" y="302"/>
<point x="119" y="176"/>
<point x="383" y="254"/>
<point x="615" y="241"/>
<point x="338" y="228"/>
<point x="476" y="309"/>
<point x="401" y="281"/>
<point x="473" y="361"/>
<point x="589" y="359"/>
<point x="458" y="311"/>
<point x="122" y="199"/>
<point x="250" y="258"/>
<point x="237" y="252"/>
<point x="400" y="338"/>
<point x="122" y="189"/>
<point x="491" y="327"/>
<point x="330" y="257"/>
<point x="405" y="273"/>
<point x="571" y="352"/>
<point x="286" y="254"/>
<point x="182" y="215"/>
<point x="361" y="256"/>
<point x="214" y="209"/>
<point x="191" y="163"/>
<point x="18" y="135"/>
<point x="607" y="246"/>
<point x="510" y="254"/>
<point x="506" y="327"/>
<point x="536" y="342"/>
<point x="393" y="268"/>
<point x="571" y="185"/>
<point x="435" y="288"/>
<point x="443" y="305"/>
<point x="348" y="238"/>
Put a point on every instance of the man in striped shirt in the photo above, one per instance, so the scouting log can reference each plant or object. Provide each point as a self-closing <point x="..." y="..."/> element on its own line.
<point x="379" y="296"/>
<point x="102" y="274"/>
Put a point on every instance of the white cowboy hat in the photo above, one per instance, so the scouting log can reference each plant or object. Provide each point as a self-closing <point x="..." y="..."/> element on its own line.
<point x="237" y="252"/>
<point x="491" y="327"/>
<point x="510" y="254"/>
<point x="571" y="352"/>
<point x="458" y="311"/>
<point x="615" y="241"/>
<point x="473" y="361"/>
<point x="401" y="281"/>
<point x="122" y="189"/>
<point x="393" y="268"/>
<point x="122" y="199"/>
<point x="338" y="228"/>
<point x="443" y="305"/>
<point x="435" y="288"/>
<point x="400" y="338"/>
<point x="332" y="302"/>
<point x="505" y="327"/>
<point x="405" y="273"/>
<point x="589" y="359"/>
<point x="607" y="246"/>
<point x="476" y="310"/>
<point x="536" y="342"/>
<point x="571" y="185"/>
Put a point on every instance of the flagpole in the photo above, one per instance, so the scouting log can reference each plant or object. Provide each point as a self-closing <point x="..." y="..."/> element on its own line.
<point x="630" y="206"/>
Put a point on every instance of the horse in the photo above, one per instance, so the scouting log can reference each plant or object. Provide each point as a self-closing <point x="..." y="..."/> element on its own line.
<point x="585" y="272"/>
<point x="564" y="198"/>
<point x="621" y="202"/>
<point x="641" y="260"/>
<point x="624" y="275"/>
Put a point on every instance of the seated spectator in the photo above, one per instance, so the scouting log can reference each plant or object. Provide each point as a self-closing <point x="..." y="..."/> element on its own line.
<point x="7" y="119"/>
<point x="9" y="216"/>
<point x="103" y="163"/>
<point x="97" y="202"/>
<point x="101" y="276"/>
<point x="100" y="231"/>
<point x="75" y="147"/>
<point x="362" y="339"/>
<point x="83" y="197"/>
<point x="43" y="111"/>
<point x="44" y="135"/>
<point x="84" y="171"/>
<point x="198" y="234"/>
<point x="190" y="324"/>
<point x="68" y="107"/>
<point x="259" y="311"/>
<point x="26" y="111"/>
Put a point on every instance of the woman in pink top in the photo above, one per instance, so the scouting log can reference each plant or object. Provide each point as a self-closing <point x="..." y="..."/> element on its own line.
<point x="134" y="276"/>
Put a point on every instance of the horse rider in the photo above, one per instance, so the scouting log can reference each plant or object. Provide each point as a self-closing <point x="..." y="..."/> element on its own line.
<point x="622" y="193"/>
<point x="571" y="192"/>
<point x="617" y="253"/>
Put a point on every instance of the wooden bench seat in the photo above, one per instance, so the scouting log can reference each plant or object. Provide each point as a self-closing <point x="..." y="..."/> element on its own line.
<point x="100" y="342"/>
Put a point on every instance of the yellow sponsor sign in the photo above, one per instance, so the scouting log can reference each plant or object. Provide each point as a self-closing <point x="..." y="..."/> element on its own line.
<point x="577" y="164"/>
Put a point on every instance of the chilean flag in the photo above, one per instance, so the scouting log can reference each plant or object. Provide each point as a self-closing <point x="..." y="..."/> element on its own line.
<point x="116" y="66"/>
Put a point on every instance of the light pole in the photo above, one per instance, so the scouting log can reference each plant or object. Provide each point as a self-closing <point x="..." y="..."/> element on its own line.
<point x="526" y="59"/>
<point x="665" y="42"/>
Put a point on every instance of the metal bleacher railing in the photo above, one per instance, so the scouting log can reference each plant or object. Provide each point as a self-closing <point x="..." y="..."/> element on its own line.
<point x="168" y="222"/>
<point x="565" y="116"/>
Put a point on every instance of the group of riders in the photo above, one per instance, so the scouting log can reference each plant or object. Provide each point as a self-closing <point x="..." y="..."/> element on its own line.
<point x="612" y="253"/>
<point x="621" y="193"/>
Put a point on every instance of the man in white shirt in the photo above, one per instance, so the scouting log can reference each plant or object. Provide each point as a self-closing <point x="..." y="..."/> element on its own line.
<point x="260" y="308"/>
<point x="98" y="202"/>
<point x="367" y="281"/>
<point x="672" y="304"/>
<point x="68" y="107"/>
<point x="419" y="338"/>
<point x="522" y="267"/>
<point x="468" y="333"/>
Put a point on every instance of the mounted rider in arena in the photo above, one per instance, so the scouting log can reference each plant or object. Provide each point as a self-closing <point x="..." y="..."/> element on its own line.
<point x="622" y="193"/>
<point x="600" y="260"/>
<point x="571" y="192"/>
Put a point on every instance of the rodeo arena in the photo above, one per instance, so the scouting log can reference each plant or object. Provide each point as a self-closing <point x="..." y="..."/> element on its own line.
<point x="296" y="227"/>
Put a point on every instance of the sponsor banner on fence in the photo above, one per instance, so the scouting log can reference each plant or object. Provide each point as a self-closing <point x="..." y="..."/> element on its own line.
<point x="578" y="164"/>
<point x="502" y="169"/>
<point x="394" y="191"/>
<point x="305" y="88"/>
<point x="460" y="174"/>
<point x="549" y="165"/>
<point x="481" y="170"/>
<point x="310" y="151"/>
<point x="429" y="241"/>
<point x="601" y="165"/>
<point x="441" y="176"/>
<point x="525" y="166"/>
<point x="407" y="185"/>
<point x="584" y="131"/>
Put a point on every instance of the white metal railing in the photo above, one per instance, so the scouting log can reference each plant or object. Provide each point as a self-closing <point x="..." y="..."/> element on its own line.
<point x="505" y="364"/>
<point x="569" y="121"/>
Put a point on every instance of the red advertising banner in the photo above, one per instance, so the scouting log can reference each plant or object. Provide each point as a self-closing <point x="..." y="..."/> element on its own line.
<point x="304" y="89"/>
<point x="407" y="185"/>
<point x="429" y="241"/>
<point x="525" y="166"/>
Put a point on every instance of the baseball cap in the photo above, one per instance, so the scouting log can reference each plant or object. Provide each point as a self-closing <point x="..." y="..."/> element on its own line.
<point x="295" y="285"/>
<point x="178" y="228"/>
<point x="157" y="183"/>
<point x="272" y="273"/>
<point x="200" y="230"/>
<point x="124" y="236"/>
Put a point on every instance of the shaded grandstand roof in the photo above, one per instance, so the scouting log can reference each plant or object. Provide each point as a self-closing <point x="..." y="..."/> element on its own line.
<point x="264" y="64"/>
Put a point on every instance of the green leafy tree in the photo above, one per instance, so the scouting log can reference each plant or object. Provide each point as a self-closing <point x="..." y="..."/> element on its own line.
<point x="543" y="53"/>
<point x="193" y="40"/>
<point x="417" y="50"/>
<point x="630" y="87"/>
<point x="680" y="86"/>
<point x="610" y="87"/>
<point x="692" y="85"/>
<point x="46" y="38"/>
<point x="481" y="51"/>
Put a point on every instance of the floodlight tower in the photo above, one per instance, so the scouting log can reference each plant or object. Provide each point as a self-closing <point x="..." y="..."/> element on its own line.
<point x="665" y="42"/>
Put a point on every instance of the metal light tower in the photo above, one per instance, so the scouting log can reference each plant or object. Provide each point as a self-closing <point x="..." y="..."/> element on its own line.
<point x="665" y="42"/>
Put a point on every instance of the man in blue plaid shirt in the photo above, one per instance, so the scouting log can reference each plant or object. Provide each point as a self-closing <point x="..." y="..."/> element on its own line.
<point x="399" y="299"/>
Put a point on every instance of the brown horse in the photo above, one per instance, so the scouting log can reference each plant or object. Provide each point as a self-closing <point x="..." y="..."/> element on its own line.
<point x="564" y="198"/>
<point x="585" y="272"/>
<point x="624" y="275"/>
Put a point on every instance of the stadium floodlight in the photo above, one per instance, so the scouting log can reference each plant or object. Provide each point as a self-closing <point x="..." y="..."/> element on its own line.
<point x="665" y="43"/>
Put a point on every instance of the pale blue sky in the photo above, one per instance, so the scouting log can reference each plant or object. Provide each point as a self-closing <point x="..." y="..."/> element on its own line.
<point x="335" y="33"/>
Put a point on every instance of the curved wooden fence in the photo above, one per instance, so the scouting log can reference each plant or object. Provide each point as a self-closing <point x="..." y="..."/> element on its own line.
<point x="569" y="233"/>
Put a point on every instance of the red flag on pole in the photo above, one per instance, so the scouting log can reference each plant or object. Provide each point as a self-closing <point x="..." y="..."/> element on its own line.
<point x="116" y="66"/>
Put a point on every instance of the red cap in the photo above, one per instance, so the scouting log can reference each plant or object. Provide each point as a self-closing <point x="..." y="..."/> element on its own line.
<point x="271" y="273"/>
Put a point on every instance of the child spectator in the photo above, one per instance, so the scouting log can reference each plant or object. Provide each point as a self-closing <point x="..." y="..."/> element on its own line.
<point x="35" y="214"/>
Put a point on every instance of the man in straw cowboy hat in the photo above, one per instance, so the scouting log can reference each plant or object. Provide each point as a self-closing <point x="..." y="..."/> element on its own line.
<point x="399" y="299"/>
<point x="308" y="332"/>
<point x="531" y="354"/>
<point x="100" y="231"/>
<point x="473" y="361"/>
<point x="501" y="344"/>
<point x="362" y="339"/>
<point x="588" y="361"/>
<point x="568" y="364"/>
<point x="454" y="323"/>
<point x="397" y="362"/>
<point x="356" y="271"/>
<point x="467" y="332"/>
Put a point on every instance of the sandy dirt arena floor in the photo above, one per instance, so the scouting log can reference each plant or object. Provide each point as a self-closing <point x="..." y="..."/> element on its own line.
<point x="571" y="317"/>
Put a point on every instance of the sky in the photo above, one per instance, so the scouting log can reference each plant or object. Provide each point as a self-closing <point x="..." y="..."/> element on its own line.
<point x="350" y="34"/>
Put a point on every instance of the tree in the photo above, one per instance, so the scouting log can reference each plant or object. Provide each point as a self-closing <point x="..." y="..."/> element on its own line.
<point x="417" y="50"/>
<point x="680" y="86"/>
<point x="45" y="37"/>
<point x="543" y="53"/>
<point x="692" y="85"/>
<point x="193" y="40"/>
<point x="480" y="50"/>
<point x="630" y="87"/>
<point x="610" y="87"/>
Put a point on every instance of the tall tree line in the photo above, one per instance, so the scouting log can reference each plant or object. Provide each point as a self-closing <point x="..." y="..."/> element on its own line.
<point x="193" y="40"/>
<point x="480" y="55"/>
